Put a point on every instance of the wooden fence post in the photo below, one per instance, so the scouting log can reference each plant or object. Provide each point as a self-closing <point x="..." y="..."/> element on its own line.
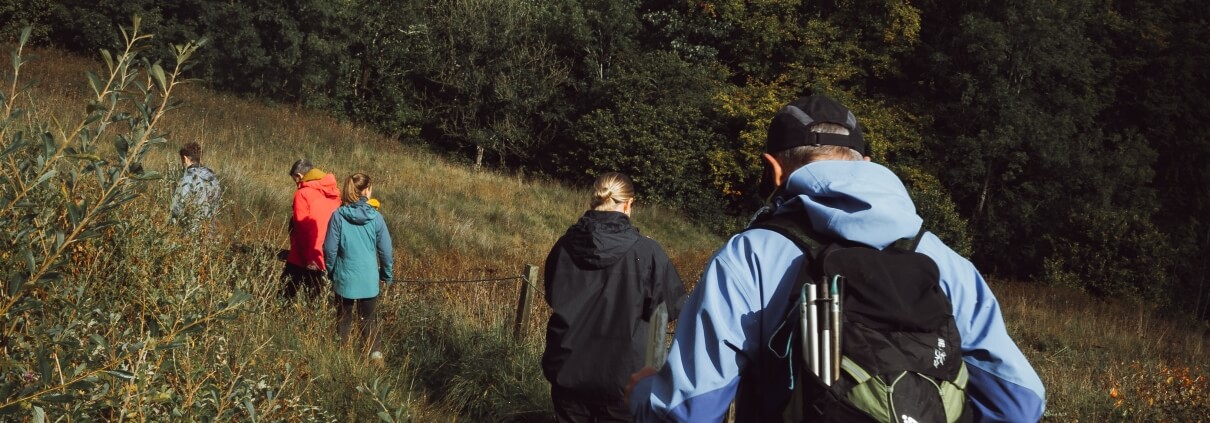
<point x="523" y="303"/>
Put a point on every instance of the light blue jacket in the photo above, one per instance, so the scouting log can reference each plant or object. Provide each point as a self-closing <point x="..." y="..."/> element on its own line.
<point x="722" y="329"/>
<point x="358" y="251"/>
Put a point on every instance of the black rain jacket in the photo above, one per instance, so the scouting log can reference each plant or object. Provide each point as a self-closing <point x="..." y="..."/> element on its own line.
<point x="603" y="281"/>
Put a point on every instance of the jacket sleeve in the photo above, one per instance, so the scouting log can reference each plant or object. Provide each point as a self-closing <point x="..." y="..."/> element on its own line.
<point x="386" y="256"/>
<point x="331" y="247"/>
<point x="548" y="272"/>
<point x="1003" y="386"/>
<point x="710" y="348"/>
<point x="668" y="287"/>
<point x="179" y="197"/>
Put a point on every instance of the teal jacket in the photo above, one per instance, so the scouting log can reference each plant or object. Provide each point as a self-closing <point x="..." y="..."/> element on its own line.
<point x="358" y="251"/>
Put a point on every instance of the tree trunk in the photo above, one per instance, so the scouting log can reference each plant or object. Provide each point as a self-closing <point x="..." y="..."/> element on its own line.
<point x="478" y="156"/>
<point x="987" y="182"/>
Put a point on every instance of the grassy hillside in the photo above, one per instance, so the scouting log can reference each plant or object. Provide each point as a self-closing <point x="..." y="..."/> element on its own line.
<point x="449" y="353"/>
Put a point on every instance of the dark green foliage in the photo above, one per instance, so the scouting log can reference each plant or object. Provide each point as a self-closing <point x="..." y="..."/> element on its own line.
<point x="1161" y="56"/>
<point x="485" y="76"/>
<point x="659" y="134"/>
<point x="934" y="205"/>
<point x="1112" y="254"/>
<point x="89" y="26"/>
<point x="1022" y="87"/>
<point x="599" y="37"/>
<point x="16" y="15"/>
<point x="385" y="59"/>
<point x="638" y="107"/>
<point x="661" y="148"/>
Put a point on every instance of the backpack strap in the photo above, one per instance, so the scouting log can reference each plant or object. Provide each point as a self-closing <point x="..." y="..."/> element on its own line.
<point x="812" y="245"/>
<point x="799" y="231"/>
<point x="910" y="244"/>
<point x="796" y="230"/>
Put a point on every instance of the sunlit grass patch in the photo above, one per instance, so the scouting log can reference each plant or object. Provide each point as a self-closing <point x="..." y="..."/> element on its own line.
<point x="1086" y="348"/>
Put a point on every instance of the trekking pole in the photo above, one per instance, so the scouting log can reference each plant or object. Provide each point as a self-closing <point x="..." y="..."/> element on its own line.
<point x="812" y="332"/>
<point x="835" y="294"/>
<point x="825" y="336"/>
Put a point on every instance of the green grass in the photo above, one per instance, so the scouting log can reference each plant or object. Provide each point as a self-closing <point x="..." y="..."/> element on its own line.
<point x="450" y="353"/>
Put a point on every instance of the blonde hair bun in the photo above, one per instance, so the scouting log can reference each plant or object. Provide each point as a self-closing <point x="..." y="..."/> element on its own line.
<point x="609" y="190"/>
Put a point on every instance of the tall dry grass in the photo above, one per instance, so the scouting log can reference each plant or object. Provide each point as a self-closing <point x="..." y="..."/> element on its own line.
<point x="1109" y="360"/>
<point x="1100" y="360"/>
<point x="450" y="347"/>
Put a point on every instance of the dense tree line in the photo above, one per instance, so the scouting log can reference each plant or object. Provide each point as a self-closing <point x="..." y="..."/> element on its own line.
<point x="1054" y="140"/>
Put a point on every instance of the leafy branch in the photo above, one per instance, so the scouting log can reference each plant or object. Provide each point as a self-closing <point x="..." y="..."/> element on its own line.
<point x="88" y="378"/>
<point x="115" y="98"/>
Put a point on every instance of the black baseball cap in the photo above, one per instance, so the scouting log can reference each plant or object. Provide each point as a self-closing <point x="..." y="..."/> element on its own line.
<point x="791" y="126"/>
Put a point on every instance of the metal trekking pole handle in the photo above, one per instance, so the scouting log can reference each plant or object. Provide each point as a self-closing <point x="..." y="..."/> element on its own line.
<point x="825" y="330"/>
<point x="811" y="331"/>
<point x="834" y="292"/>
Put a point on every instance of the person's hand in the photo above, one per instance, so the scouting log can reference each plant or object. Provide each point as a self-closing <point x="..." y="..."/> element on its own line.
<point x="313" y="267"/>
<point x="634" y="380"/>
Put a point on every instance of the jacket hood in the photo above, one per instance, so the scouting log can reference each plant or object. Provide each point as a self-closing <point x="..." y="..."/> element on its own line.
<point x="600" y="238"/>
<point x="358" y="213"/>
<point x="855" y="200"/>
<point x="325" y="183"/>
<point x="314" y="175"/>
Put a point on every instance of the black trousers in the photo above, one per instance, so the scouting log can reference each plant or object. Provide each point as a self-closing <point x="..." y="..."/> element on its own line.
<point x="569" y="409"/>
<point x="362" y="312"/>
<point x="297" y="279"/>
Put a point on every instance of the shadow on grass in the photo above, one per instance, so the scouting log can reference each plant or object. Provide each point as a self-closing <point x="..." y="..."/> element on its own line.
<point x="479" y="373"/>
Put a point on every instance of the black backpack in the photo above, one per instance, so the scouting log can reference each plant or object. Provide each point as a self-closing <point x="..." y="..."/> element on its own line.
<point x="900" y="352"/>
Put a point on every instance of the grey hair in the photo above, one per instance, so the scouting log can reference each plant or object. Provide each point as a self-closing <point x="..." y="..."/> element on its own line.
<point x="300" y="167"/>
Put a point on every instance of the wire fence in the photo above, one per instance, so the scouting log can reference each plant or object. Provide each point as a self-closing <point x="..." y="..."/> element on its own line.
<point x="460" y="281"/>
<point x="523" y="278"/>
<point x="525" y="298"/>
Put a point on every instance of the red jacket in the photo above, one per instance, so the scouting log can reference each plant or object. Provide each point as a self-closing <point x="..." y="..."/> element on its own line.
<point x="314" y="202"/>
